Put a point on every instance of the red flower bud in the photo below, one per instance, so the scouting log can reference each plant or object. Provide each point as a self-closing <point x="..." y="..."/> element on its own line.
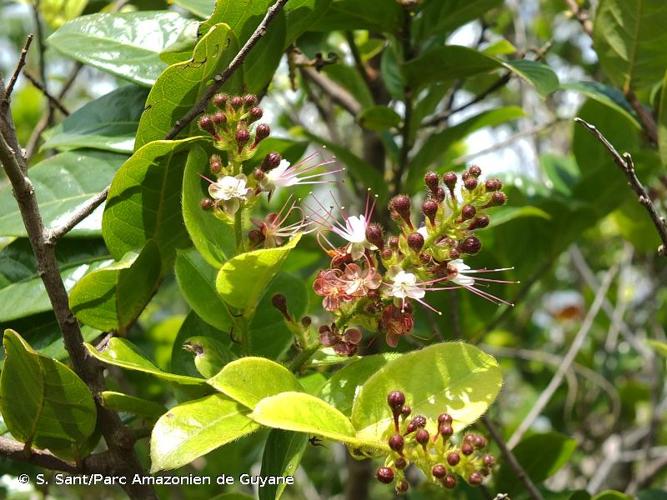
<point x="385" y="475"/>
<point x="219" y="100"/>
<point x="470" y="245"/>
<point x="450" y="180"/>
<point x="430" y="208"/>
<point x="475" y="171"/>
<point x="207" y="203"/>
<point x="270" y="161"/>
<point x="374" y="235"/>
<point x="250" y="100"/>
<point x="206" y="123"/>
<point x="431" y="180"/>
<point x="470" y="183"/>
<point x="439" y="471"/>
<point x="468" y="212"/>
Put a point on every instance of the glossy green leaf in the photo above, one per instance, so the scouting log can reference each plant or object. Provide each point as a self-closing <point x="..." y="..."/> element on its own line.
<point x="436" y="145"/>
<point x="22" y="291"/>
<point x="195" y="428"/>
<point x="302" y="14"/>
<point x="111" y="298"/>
<point x="442" y="17"/>
<point x="196" y="279"/>
<point x="43" y="401"/>
<point x="117" y="401"/>
<point x="379" y="118"/>
<point x="249" y="380"/>
<point x="144" y="201"/>
<point x="210" y="354"/>
<point x="540" y="455"/>
<point x="611" y="495"/>
<point x="282" y="454"/>
<point x="344" y="384"/>
<point x="453" y="377"/>
<point x="200" y="8"/>
<point x="505" y="214"/>
<point x="629" y="38"/>
<point x="453" y="62"/>
<point x="213" y="238"/>
<point x="604" y="94"/>
<point x="108" y="123"/>
<point x="244" y="279"/>
<point x="180" y="85"/>
<point x="380" y="16"/>
<point x="125" y="44"/>
<point x="63" y="183"/>
<point x="122" y="353"/>
<point x="301" y="412"/>
<point x="182" y="358"/>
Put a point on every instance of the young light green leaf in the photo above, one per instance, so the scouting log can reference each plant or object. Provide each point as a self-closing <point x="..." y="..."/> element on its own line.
<point x="378" y="118"/>
<point x="180" y="85"/>
<point x="43" y="401"/>
<point x="195" y="428"/>
<point x="122" y="353"/>
<point x="117" y="401"/>
<point x="658" y="346"/>
<point x="301" y="412"/>
<point x="629" y="39"/>
<point x="182" y="359"/>
<point x="108" y="123"/>
<point x="249" y="380"/>
<point x="145" y="201"/>
<point x="507" y="213"/>
<point x="196" y="280"/>
<point x="125" y="44"/>
<point x="213" y="238"/>
<point x="210" y="354"/>
<point x="111" y="298"/>
<point x="346" y="383"/>
<point x="452" y="377"/>
<point x="243" y="280"/>
<point x="540" y="455"/>
<point x="282" y="454"/>
<point x="64" y="182"/>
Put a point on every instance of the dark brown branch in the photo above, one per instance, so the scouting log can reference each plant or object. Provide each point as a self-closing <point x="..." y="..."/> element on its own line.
<point x="627" y="166"/>
<point x="82" y="211"/>
<point x="121" y="457"/>
<point x="511" y="460"/>
<point x="645" y="117"/>
<point x="338" y="94"/>
<point x="19" y="67"/>
<point x="55" y="102"/>
<point x="220" y="79"/>
<point x="16" y="451"/>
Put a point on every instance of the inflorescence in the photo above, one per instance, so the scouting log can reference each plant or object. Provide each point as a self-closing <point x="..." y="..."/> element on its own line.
<point x="439" y="454"/>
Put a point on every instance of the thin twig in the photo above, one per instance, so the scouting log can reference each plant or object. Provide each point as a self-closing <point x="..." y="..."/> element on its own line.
<point x="627" y="166"/>
<point x="19" y="67"/>
<point x="52" y="99"/>
<point x="82" y="211"/>
<point x="581" y="16"/>
<point x="649" y="126"/>
<point x="220" y="79"/>
<point x="511" y="460"/>
<point x="568" y="359"/>
<point x="338" y="94"/>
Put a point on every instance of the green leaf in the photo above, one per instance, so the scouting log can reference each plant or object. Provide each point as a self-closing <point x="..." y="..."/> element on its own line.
<point x="662" y="123"/>
<point x="380" y="16"/>
<point x="604" y="94"/>
<point x="212" y="237"/>
<point x="505" y="214"/>
<point x="344" y="385"/>
<point x="22" y="291"/>
<point x="379" y="118"/>
<point x="611" y="495"/>
<point x="210" y="354"/>
<point x="659" y="347"/>
<point x="540" y="455"/>
<point x="122" y="353"/>
<point x="200" y="8"/>
<point x="113" y="297"/>
<point x="453" y="62"/>
<point x="244" y="279"/>
<point x="629" y="39"/>
<point x="108" y="123"/>
<point x="180" y="85"/>
<point x="63" y="183"/>
<point x="144" y="201"/>
<point x="117" y="401"/>
<point x="249" y="380"/>
<point x="452" y="377"/>
<point x="436" y="145"/>
<point x="196" y="279"/>
<point x="195" y="428"/>
<point x="182" y="359"/>
<point x="43" y="401"/>
<point x="439" y="18"/>
<point x="301" y="412"/>
<point x="301" y="15"/>
<point x="282" y="455"/>
<point x="126" y="44"/>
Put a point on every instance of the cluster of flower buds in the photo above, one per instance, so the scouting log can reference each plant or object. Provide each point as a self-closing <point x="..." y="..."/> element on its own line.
<point x="437" y="453"/>
<point x="374" y="277"/>
<point x="236" y="135"/>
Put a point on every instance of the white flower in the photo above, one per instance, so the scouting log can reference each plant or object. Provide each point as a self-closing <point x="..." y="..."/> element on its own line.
<point x="228" y="188"/>
<point x="404" y="286"/>
<point x="458" y="270"/>
<point x="286" y="175"/>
